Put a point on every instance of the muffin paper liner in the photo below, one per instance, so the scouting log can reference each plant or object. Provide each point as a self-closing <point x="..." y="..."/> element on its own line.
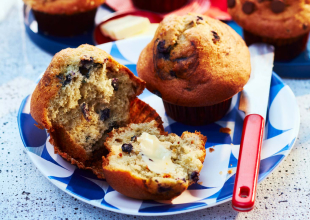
<point x="196" y="116"/>
<point x="285" y="49"/>
<point x="63" y="25"/>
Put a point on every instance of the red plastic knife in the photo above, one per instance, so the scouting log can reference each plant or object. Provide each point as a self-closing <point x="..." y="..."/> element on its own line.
<point x="254" y="102"/>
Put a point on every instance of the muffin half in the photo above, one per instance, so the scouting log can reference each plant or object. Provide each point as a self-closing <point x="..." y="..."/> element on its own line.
<point x="146" y="163"/>
<point x="82" y="96"/>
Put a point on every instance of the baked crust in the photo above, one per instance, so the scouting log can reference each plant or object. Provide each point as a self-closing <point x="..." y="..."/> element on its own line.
<point x="155" y="188"/>
<point x="292" y="22"/>
<point x="48" y="88"/>
<point x="194" y="60"/>
<point x="63" y="6"/>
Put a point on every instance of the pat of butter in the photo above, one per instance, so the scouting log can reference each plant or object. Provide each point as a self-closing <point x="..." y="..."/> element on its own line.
<point x="125" y="27"/>
<point x="155" y="154"/>
<point x="150" y="31"/>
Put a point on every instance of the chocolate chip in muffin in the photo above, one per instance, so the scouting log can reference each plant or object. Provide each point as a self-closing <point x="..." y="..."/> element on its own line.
<point x="115" y="83"/>
<point x="127" y="148"/>
<point x="163" y="52"/>
<point x="195" y="176"/>
<point x="156" y="92"/>
<point x="104" y="114"/>
<point x="216" y="37"/>
<point x="85" y="111"/>
<point x="231" y="3"/>
<point x="277" y="6"/>
<point x="162" y="189"/>
<point x="248" y="7"/>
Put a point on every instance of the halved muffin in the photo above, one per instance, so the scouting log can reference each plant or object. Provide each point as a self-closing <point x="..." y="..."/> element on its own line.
<point x="82" y="96"/>
<point x="144" y="162"/>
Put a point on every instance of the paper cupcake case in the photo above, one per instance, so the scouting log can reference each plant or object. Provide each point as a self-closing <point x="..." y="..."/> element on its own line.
<point x="218" y="174"/>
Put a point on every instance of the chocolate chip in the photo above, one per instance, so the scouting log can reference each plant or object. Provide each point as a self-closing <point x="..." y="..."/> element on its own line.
<point x="305" y="26"/>
<point x="195" y="176"/>
<point x="115" y="83"/>
<point x="248" y="7"/>
<point x="133" y="138"/>
<point x="231" y="3"/>
<point x="156" y="92"/>
<point x="104" y="114"/>
<point x="216" y="37"/>
<point x="85" y="111"/>
<point x="163" y="52"/>
<point x="277" y="6"/>
<point x="127" y="148"/>
<point x="162" y="189"/>
<point x="156" y="181"/>
<point x="151" y="160"/>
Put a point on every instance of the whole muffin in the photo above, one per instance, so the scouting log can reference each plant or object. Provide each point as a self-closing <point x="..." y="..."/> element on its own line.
<point x="196" y="64"/>
<point x="282" y="23"/>
<point x="64" y="18"/>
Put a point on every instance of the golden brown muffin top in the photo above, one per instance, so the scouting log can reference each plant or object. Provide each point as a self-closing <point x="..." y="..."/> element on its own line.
<point x="63" y="6"/>
<point x="277" y="19"/>
<point x="194" y="60"/>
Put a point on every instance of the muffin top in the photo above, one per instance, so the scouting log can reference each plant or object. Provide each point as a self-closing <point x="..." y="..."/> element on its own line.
<point x="63" y="6"/>
<point x="277" y="19"/>
<point x="194" y="60"/>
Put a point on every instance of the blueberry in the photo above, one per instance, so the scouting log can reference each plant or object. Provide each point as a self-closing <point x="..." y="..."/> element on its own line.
<point x="133" y="138"/>
<point x="127" y="148"/>
<point x="115" y="83"/>
<point x="199" y="18"/>
<point x="85" y="111"/>
<point x="104" y="114"/>
<point x="195" y="176"/>
<point x="216" y="37"/>
<point x="65" y="80"/>
<point x="85" y="66"/>
<point x="162" y="189"/>
<point x="163" y="52"/>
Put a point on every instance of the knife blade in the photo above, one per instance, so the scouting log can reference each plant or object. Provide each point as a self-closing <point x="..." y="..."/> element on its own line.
<point x="254" y="102"/>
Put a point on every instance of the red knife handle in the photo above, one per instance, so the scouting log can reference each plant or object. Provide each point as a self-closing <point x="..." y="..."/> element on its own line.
<point x="248" y="163"/>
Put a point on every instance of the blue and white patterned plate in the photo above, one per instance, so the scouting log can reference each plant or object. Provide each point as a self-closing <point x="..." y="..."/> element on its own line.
<point x="218" y="174"/>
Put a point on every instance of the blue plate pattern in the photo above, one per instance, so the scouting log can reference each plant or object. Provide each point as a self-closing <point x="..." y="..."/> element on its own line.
<point x="218" y="174"/>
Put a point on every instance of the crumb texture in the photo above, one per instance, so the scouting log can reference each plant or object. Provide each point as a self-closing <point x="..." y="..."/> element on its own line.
<point x="126" y="156"/>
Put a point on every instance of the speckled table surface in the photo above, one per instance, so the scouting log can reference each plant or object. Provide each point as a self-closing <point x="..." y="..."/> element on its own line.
<point x="26" y="194"/>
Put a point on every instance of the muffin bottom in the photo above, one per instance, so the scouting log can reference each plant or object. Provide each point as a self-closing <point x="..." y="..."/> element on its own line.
<point x="62" y="25"/>
<point x="285" y="49"/>
<point x="196" y="116"/>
